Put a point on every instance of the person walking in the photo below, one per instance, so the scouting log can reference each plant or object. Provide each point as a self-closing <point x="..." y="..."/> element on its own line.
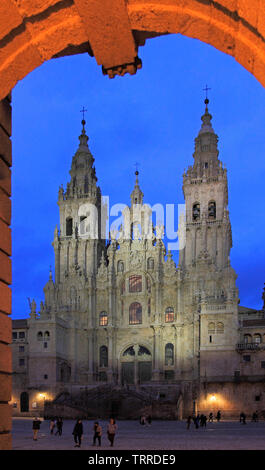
<point x="211" y="417"/>
<point x="111" y="431"/>
<point x="78" y="432"/>
<point x="97" y="433"/>
<point x="36" y="426"/>
<point x="189" y="421"/>
<point x="52" y="425"/>
<point x="218" y="416"/>
<point x="59" y="424"/>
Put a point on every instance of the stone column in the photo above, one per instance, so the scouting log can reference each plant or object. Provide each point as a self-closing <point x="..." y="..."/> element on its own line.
<point x="5" y="273"/>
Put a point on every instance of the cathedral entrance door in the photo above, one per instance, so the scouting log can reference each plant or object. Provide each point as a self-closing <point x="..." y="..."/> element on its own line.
<point x="127" y="373"/>
<point x="136" y="365"/>
<point x="144" y="371"/>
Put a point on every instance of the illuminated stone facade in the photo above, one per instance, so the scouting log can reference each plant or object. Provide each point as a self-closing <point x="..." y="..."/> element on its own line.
<point x="120" y="312"/>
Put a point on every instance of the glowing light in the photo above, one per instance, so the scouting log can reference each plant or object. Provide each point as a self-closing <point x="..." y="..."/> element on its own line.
<point x="41" y="395"/>
<point x="212" y="398"/>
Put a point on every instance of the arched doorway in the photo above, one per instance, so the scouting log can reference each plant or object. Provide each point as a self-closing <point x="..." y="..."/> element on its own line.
<point x="136" y="365"/>
<point x="24" y="402"/>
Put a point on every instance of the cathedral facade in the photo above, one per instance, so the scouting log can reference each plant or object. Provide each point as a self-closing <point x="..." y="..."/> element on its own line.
<point x="120" y="312"/>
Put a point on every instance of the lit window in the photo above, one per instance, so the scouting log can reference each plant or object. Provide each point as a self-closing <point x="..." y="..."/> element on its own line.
<point x="135" y="283"/>
<point x="103" y="319"/>
<point x="135" y="314"/>
<point x="169" y="315"/>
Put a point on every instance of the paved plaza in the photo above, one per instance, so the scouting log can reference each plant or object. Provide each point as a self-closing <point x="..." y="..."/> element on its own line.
<point x="161" y="435"/>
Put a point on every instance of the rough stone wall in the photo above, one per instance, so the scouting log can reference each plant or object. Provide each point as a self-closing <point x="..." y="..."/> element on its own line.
<point x="5" y="273"/>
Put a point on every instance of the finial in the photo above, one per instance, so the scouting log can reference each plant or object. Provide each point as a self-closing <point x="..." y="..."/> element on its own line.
<point x="50" y="273"/>
<point x="206" y="101"/>
<point x="83" y="122"/>
<point x="136" y="170"/>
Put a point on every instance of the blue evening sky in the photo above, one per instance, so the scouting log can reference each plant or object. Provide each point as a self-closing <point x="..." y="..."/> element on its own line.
<point x="152" y="118"/>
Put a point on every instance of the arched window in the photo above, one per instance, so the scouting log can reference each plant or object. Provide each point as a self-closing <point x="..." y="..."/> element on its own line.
<point x="135" y="283"/>
<point x="69" y="226"/>
<point x="40" y="336"/>
<point x="220" y="327"/>
<point x="169" y="354"/>
<point x="46" y="336"/>
<point x="196" y="211"/>
<point x="120" y="267"/>
<point x="257" y="338"/>
<point x="150" y="263"/>
<point x="212" y="210"/>
<point x="211" y="327"/>
<point x="129" y="351"/>
<point x="169" y="314"/>
<point x="103" y="319"/>
<point x="135" y="313"/>
<point x="103" y="356"/>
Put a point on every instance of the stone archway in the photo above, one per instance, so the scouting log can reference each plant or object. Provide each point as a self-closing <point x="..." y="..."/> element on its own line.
<point x="33" y="32"/>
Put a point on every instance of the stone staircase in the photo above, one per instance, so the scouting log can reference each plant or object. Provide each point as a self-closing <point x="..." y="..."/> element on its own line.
<point x="107" y="400"/>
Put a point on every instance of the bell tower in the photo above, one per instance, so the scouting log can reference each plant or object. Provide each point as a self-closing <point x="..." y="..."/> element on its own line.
<point x="78" y="244"/>
<point x="206" y="196"/>
<point x="211" y="303"/>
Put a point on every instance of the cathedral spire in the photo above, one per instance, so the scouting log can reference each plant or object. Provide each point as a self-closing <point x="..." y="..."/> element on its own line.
<point x="206" y="120"/>
<point x="136" y="195"/>
<point x="83" y="174"/>
<point x="206" y="148"/>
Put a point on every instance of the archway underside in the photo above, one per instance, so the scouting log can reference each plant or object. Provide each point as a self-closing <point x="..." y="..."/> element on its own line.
<point x="33" y="32"/>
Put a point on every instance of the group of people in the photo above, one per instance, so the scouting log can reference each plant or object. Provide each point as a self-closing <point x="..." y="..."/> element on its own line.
<point x="56" y="423"/>
<point x="78" y="430"/>
<point x="97" y="429"/>
<point x="201" y="420"/>
<point x="242" y="417"/>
